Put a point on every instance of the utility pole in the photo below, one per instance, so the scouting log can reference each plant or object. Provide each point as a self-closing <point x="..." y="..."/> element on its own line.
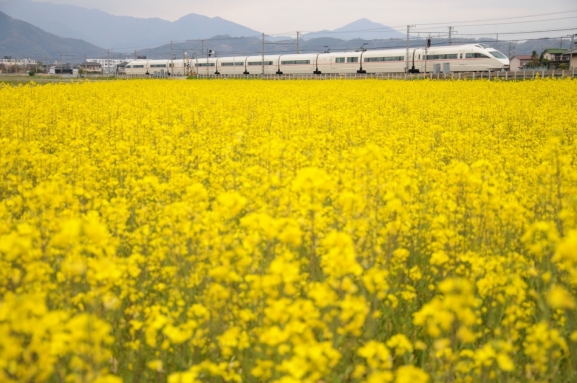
<point x="171" y="57"/>
<point x="571" y="49"/>
<point x="262" y="53"/>
<point x="450" y="34"/>
<point x="298" y="48"/>
<point x="108" y="63"/>
<point x="561" y="43"/>
<point x="60" y="63"/>
<point x="407" y="54"/>
<point x="134" y="55"/>
<point x="427" y="51"/>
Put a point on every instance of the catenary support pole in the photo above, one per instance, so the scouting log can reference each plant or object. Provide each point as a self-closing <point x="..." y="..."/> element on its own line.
<point x="571" y="49"/>
<point x="407" y="52"/>
<point x="298" y="42"/>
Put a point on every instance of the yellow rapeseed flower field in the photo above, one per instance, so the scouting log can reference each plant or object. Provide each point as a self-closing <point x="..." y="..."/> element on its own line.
<point x="290" y="231"/>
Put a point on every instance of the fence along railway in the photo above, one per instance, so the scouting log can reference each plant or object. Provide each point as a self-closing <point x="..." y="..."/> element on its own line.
<point x="497" y="75"/>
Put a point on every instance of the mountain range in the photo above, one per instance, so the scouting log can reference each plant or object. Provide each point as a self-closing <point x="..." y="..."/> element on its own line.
<point x="118" y="32"/>
<point x="124" y="33"/>
<point x="87" y="30"/>
<point x="19" y="38"/>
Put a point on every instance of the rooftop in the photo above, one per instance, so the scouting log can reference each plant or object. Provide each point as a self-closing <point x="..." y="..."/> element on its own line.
<point x="556" y="50"/>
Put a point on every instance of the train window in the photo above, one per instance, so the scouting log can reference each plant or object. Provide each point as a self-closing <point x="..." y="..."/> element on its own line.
<point x="260" y="63"/>
<point x="391" y="58"/>
<point x="138" y="66"/>
<point x="352" y="59"/>
<point x="476" y="56"/>
<point x="158" y="65"/>
<point x="497" y="54"/>
<point x="295" y="62"/>
<point x="226" y="64"/>
<point x="204" y="64"/>
<point x="340" y="60"/>
<point x="442" y="57"/>
<point x="128" y="66"/>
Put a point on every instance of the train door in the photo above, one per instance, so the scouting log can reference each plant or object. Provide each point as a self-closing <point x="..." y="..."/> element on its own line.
<point x="333" y="64"/>
<point x="461" y="62"/>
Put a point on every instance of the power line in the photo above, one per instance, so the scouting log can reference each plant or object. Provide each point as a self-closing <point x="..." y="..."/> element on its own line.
<point x="452" y="22"/>
<point x="515" y="22"/>
<point x="503" y="18"/>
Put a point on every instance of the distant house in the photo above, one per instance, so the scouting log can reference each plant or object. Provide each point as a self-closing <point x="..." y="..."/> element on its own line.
<point x="556" y="57"/>
<point x="91" y="67"/>
<point x="572" y="58"/>
<point x="518" y="62"/>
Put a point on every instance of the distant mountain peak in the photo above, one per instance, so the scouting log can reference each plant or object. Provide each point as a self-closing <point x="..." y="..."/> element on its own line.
<point x="362" y="29"/>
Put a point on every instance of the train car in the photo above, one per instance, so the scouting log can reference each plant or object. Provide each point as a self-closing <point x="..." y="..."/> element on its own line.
<point x="342" y="62"/>
<point x="205" y="66"/>
<point x="461" y="58"/>
<point x="254" y="64"/>
<point x="388" y="61"/>
<point x="296" y="63"/>
<point x="137" y="67"/>
<point x="230" y="65"/>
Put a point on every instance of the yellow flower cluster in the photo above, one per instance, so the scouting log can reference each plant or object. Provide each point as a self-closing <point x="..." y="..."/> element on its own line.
<point x="367" y="231"/>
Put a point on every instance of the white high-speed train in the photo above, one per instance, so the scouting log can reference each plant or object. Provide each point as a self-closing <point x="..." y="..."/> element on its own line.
<point x="462" y="58"/>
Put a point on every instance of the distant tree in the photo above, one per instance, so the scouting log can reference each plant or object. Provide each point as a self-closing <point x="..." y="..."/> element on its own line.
<point x="534" y="62"/>
<point x="535" y="59"/>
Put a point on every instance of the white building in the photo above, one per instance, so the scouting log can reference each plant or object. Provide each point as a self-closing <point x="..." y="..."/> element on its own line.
<point x="109" y="65"/>
<point x="10" y="61"/>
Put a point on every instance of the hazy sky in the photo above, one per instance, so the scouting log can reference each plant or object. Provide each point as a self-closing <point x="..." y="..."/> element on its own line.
<point x="282" y="17"/>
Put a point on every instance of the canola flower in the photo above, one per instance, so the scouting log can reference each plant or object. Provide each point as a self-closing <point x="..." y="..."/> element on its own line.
<point x="293" y="231"/>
